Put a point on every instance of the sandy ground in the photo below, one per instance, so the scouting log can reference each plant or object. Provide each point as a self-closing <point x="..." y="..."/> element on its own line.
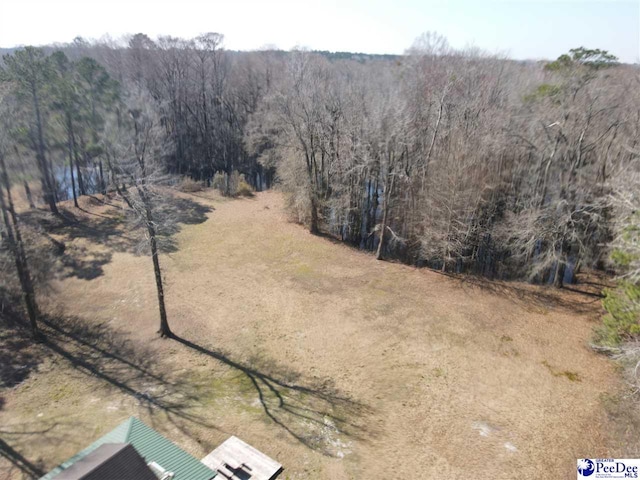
<point x="335" y="364"/>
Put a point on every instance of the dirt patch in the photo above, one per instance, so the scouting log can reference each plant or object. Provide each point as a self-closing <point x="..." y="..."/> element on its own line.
<point x="335" y="364"/>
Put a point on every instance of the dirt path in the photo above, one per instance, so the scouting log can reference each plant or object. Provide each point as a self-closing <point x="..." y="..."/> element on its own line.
<point x="335" y="364"/>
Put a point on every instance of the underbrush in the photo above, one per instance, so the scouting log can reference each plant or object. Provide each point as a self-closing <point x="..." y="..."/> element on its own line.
<point x="619" y="334"/>
<point x="188" y="185"/>
<point x="622" y="322"/>
<point x="234" y="185"/>
<point x="244" y="189"/>
<point x="619" y="337"/>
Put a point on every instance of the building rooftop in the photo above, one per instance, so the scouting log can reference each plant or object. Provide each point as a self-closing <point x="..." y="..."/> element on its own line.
<point x="109" y="460"/>
<point x="238" y="460"/>
<point x="151" y="446"/>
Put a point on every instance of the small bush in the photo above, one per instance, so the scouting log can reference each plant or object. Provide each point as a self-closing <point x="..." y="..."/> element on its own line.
<point x="244" y="189"/>
<point x="298" y="206"/>
<point x="189" y="185"/>
<point x="232" y="185"/>
<point x="220" y="182"/>
<point x="622" y="321"/>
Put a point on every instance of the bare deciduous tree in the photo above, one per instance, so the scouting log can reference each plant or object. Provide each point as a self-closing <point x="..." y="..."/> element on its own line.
<point x="140" y="159"/>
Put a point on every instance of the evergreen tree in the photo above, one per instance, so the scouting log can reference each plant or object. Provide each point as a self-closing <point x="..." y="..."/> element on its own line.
<point x="29" y="71"/>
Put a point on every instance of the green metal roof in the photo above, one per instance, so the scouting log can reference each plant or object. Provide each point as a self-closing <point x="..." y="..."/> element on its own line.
<point x="152" y="446"/>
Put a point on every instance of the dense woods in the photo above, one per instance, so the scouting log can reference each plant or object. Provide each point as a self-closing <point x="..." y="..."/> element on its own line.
<point x="457" y="160"/>
<point x="442" y="227"/>
<point x="451" y="159"/>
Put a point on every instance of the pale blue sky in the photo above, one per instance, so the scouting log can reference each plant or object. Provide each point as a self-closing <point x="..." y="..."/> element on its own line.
<point x="521" y="28"/>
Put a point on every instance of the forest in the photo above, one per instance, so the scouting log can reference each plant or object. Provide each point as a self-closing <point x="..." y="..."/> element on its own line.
<point x="516" y="176"/>
<point x="455" y="160"/>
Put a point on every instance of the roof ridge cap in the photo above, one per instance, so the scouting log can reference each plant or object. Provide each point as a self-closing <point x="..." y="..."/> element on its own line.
<point x="131" y="420"/>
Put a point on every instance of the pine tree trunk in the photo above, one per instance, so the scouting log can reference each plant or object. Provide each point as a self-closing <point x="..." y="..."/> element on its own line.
<point x="41" y="156"/>
<point x="16" y="245"/>
<point x="27" y="190"/>
<point x="73" y="179"/>
<point x="103" y="185"/>
<point x="83" y="190"/>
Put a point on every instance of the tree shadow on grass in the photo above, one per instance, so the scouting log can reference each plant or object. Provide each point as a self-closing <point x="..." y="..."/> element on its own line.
<point x="119" y="232"/>
<point x="101" y="352"/>
<point x="18" y="356"/>
<point x="316" y="416"/>
<point x="18" y="463"/>
<point x="577" y="299"/>
<point x="84" y="263"/>
<point x="25" y="434"/>
<point x="103" y="234"/>
<point x="173" y="213"/>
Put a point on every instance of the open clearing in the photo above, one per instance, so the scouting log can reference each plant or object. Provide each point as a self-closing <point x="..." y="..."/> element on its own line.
<point x="335" y="364"/>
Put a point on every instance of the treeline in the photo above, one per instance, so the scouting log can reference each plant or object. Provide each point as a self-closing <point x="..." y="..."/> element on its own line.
<point x="68" y="98"/>
<point x="456" y="160"/>
<point x="205" y="97"/>
<point x="124" y="120"/>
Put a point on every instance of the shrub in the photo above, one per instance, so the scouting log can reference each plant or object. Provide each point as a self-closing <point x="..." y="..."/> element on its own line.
<point x="232" y="185"/>
<point x="244" y="189"/>
<point x="220" y="182"/>
<point x="189" y="185"/>
<point x="622" y="321"/>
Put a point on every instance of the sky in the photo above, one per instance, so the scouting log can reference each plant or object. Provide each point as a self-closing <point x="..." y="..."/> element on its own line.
<point x="522" y="29"/>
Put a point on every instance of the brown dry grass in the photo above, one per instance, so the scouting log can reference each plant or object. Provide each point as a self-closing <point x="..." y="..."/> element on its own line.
<point x="335" y="364"/>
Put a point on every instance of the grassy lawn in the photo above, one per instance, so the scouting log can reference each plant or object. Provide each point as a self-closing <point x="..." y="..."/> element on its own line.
<point x="335" y="364"/>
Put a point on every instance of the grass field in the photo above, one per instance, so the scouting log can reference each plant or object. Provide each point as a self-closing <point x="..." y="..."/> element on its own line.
<point x="335" y="364"/>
